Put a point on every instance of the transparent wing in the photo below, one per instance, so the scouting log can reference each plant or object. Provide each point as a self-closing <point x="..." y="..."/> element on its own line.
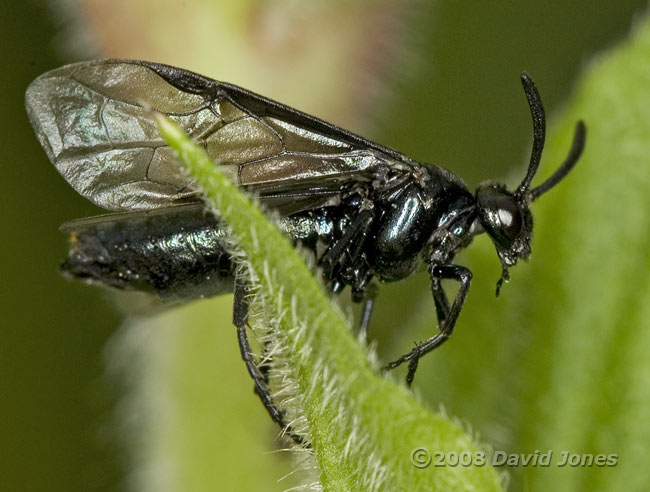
<point x="90" y="119"/>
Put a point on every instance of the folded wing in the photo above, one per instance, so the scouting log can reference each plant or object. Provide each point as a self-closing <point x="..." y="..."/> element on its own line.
<point x="91" y="120"/>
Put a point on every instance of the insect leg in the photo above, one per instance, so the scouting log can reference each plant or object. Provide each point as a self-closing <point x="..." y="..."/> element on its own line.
<point x="447" y="315"/>
<point x="240" y="320"/>
<point x="440" y="300"/>
<point x="344" y="252"/>
<point x="240" y="302"/>
<point x="366" y="309"/>
<point x="240" y="317"/>
<point x="345" y="264"/>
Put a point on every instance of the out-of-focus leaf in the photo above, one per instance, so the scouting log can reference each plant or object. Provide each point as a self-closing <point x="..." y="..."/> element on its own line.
<point x="560" y="362"/>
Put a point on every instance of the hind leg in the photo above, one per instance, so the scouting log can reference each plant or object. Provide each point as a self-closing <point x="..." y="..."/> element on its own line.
<point x="260" y="380"/>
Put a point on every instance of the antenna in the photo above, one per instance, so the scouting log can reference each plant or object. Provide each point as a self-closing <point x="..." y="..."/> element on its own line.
<point x="578" y="145"/>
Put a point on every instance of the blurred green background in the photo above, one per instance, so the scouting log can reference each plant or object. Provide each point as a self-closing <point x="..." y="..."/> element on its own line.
<point x="437" y="80"/>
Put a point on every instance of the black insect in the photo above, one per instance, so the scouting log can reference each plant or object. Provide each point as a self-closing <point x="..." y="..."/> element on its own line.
<point x="365" y="210"/>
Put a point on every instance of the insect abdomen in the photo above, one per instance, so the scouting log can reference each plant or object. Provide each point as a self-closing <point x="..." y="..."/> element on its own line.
<point x="175" y="253"/>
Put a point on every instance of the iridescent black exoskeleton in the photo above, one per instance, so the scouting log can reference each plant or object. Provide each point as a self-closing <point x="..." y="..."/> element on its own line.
<point x="365" y="210"/>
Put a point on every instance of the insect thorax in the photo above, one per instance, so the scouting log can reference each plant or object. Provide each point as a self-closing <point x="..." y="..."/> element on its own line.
<point x="433" y="206"/>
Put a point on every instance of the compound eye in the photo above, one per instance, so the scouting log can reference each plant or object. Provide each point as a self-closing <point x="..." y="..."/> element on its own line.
<point x="510" y="218"/>
<point x="500" y="214"/>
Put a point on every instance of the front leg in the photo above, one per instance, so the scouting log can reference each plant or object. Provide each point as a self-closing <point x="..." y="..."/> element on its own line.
<point x="447" y="315"/>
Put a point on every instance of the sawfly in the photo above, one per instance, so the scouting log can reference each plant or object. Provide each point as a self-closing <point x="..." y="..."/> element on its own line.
<point x="365" y="210"/>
